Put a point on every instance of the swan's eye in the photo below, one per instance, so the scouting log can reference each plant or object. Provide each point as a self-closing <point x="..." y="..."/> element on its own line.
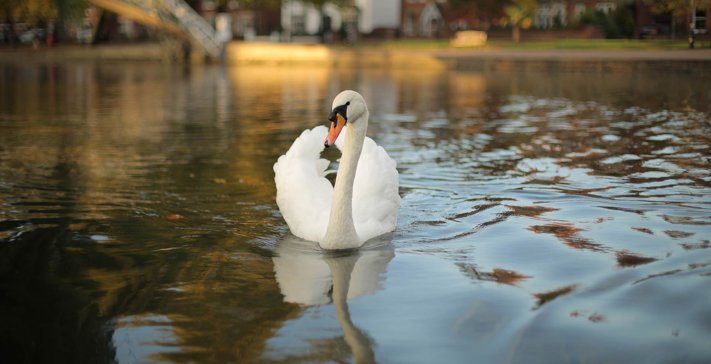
<point x="342" y="110"/>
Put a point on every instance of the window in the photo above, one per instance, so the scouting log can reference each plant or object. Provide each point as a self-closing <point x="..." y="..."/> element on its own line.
<point x="606" y="6"/>
<point x="579" y="9"/>
<point x="699" y="21"/>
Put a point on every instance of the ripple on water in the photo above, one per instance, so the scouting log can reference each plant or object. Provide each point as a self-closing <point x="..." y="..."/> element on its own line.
<point x="535" y="226"/>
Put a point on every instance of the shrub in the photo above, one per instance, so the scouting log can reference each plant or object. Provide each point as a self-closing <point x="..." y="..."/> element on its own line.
<point x="617" y="24"/>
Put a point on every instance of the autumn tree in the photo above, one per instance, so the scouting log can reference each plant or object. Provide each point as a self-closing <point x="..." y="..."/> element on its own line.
<point x="520" y="12"/>
<point x="483" y="10"/>
<point x="40" y="12"/>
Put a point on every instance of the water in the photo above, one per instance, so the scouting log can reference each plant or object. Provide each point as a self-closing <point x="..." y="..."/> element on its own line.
<point x="550" y="212"/>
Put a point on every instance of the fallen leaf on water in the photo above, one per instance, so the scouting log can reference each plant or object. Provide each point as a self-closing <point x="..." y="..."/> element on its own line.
<point x="173" y="217"/>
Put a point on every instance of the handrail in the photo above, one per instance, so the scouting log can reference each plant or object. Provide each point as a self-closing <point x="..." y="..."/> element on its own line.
<point x="174" y="16"/>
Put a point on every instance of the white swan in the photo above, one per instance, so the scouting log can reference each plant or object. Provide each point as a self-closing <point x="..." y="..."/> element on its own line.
<point x="364" y="202"/>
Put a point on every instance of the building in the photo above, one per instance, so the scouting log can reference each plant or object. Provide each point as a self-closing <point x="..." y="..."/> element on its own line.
<point x="366" y="17"/>
<point x="559" y="13"/>
<point x="650" y="25"/>
<point x="244" y="21"/>
<point x="566" y="13"/>
<point x="424" y="19"/>
<point x="378" y="16"/>
<point x="302" y="18"/>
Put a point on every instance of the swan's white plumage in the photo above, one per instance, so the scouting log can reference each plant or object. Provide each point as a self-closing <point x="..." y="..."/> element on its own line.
<point x="375" y="192"/>
<point x="304" y="194"/>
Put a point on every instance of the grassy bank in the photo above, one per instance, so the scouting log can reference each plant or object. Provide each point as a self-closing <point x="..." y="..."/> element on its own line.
<point x="602" y="44"/>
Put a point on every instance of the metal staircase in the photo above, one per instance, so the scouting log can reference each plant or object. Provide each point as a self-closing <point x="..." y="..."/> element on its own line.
<point x="173" y="16"/>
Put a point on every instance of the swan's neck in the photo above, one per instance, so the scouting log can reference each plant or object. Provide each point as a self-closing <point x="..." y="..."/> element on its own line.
<point x="341" y="233"/>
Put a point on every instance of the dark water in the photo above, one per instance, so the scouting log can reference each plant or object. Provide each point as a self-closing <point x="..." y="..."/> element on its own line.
<point x="550" y="213"/>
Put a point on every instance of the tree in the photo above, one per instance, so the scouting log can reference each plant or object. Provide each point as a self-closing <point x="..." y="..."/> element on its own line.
<point x="40" y="12"/>
<point x="482" y="10"/>
<point x="678" y="8"/>
<point x="617" y="24"/>
<point x="7" y="11"/>
<point x="487" y="7"/>
<point x="520" y="13"/>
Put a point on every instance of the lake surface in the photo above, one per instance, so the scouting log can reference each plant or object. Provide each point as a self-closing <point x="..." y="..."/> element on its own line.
<point x="551" y="212"/>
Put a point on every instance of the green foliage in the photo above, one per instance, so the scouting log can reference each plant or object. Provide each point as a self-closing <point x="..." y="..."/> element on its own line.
<point x="676" y="7"/>
<point x="623" y="18"/>
<point x="70" y="10"/>
<point x="617" y="24"/>
<point x="520" y="14"/>
<point x="600" y="44"/>
<point x="34" y="11"/>
<point x="521" y="10"/>
<point x="488" y="6"/>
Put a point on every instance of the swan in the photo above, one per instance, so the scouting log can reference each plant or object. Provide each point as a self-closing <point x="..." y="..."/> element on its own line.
<point x="363" y="203"/>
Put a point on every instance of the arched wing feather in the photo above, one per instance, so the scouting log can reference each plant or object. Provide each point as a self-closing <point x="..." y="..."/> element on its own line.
<point x="376" y="198"/>
<point x="303" y="193"/>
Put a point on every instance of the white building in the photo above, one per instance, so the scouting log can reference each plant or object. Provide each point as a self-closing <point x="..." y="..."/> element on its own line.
<point x="299" y="18"/>
<point x="550" y="13"/>
<point x="374" y="14"/>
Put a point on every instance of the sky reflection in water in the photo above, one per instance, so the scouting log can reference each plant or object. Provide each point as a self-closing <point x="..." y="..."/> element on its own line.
<point x="550" y="213"/>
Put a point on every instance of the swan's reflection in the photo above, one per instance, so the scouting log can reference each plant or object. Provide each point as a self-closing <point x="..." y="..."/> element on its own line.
<point x="309" y="276"/>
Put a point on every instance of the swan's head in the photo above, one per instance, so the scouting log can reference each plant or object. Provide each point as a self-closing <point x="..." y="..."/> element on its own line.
<point x="348" y="107"/>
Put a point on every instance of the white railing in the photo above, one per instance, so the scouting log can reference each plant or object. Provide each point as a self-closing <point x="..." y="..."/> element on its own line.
<point x="174" y="15"/>
<point x="200" y="30"/>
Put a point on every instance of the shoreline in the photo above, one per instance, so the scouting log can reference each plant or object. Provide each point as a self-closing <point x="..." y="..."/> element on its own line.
<point x="240" y="53"/>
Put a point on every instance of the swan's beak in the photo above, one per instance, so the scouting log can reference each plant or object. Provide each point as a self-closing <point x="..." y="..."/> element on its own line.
<point x="336" y="127"/>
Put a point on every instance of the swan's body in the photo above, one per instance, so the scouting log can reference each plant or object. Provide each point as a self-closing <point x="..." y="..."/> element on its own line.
<point x="364" y="201"/>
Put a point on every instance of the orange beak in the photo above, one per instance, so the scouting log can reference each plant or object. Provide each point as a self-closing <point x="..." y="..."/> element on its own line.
<point x="336" y="127"/>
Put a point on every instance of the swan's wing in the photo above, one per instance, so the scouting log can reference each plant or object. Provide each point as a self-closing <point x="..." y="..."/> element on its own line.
<point x="375" y="192"/>
<point x="303" y="193"/>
